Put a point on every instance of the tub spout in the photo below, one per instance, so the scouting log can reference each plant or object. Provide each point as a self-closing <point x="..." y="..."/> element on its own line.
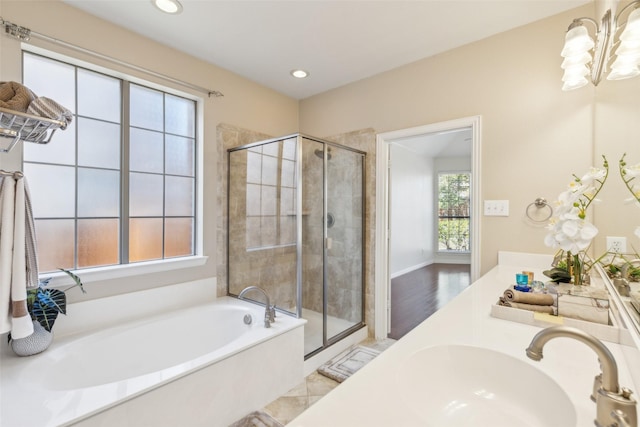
<point x="611" y="402"/>
<point x="270" y="310"/>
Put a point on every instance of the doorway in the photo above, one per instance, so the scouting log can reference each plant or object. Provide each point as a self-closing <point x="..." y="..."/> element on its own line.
<point x="423" y="138"/>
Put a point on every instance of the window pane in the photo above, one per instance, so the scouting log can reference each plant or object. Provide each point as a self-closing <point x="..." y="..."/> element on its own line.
<point x="179" y="196"/>
<point x="98" y="193"/>
<point x="59" y="235"/>
<point x="98" y="144"/>
<point x="146" y="108"/>
<point x="180" y="116"/>
<point x="145" y="239"/>
<point x="76" y="179"/>
<point x="38" y="73"/>
<point x="146" y="151"/>
<point x="288" y="173"/>
<point x="271" y="149"/>
<point x="98" y="242"/>
<point x="61" y="149"/>
<point x="289" y="149"/>
<point x="52" y="190"/>
<point x="268" y="200"/>
<point x="179" y="155"/>
<point x="145" y="197"/>
<point x="254" y="167"/>
<point x="453" y="211"/>
<point x="178" y="232"/>
<point x="253" y="199"/>
<point x="269" y="170"/>
<point x="98" y="96"/>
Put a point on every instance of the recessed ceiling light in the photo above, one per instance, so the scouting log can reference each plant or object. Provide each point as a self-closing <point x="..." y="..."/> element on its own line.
<point x="299" y="74"/>
<point x="168" y="6"/>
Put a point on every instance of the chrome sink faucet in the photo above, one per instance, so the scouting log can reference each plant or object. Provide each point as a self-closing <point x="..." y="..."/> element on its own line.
<point x="614" y="406"/>
<point x="270" y="310"/>
<point x="622" y="283"/>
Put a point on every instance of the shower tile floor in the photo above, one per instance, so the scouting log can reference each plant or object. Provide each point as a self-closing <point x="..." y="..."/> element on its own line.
<point x="284" y="409"/>
<point x="313" y="328"/>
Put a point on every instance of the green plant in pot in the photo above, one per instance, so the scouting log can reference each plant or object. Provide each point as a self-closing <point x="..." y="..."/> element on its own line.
<point x="44" y="305"/>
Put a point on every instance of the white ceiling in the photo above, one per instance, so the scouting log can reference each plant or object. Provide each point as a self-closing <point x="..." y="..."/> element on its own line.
<point x="336" y="41"/>
<point x="452" y="143"/>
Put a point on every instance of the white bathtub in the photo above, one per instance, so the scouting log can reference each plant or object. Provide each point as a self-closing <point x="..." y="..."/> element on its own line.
<point x="199" y="366"/>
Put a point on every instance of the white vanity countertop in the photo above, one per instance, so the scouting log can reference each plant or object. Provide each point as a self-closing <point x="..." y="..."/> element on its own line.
<point x="372" y="397"/>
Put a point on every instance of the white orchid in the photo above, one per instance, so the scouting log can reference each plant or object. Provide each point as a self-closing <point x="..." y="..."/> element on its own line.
<point x="631" y="171"/>
<point x="568" y="228"/>
<point x="571" y="233"/>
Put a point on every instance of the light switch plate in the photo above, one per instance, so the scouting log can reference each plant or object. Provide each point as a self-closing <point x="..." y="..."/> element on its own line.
<point x="496" y="208"/>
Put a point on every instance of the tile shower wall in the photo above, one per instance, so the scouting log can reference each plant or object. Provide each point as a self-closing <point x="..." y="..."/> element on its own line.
<point x="365" y="140"/>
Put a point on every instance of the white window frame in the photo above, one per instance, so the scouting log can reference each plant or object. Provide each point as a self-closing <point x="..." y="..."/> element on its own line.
<point x="155" y="266"/>
<point x="437" y="204"/>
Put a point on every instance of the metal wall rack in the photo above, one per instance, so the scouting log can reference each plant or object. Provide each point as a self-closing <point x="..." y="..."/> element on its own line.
<point x="17" y="126"/>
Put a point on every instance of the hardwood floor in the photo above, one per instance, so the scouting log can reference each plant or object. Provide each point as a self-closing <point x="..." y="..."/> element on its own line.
<point x="420" y="293"/>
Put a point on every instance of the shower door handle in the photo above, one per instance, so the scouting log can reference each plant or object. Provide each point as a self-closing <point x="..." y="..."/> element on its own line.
<point x="328" y="242"/>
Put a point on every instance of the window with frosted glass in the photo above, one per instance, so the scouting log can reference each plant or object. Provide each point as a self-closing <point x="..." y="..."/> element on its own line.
<point x="113" y="188"/>
<point x="162" y="176"/>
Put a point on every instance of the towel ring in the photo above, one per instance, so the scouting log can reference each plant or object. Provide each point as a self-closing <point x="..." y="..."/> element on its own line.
<point x="539" y="203"/>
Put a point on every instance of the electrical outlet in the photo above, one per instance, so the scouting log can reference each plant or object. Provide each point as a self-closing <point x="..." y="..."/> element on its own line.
<point x="617" y="244"/>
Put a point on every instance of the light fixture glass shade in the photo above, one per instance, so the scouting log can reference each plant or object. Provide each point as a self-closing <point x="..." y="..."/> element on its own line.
<point x="574" y="84"/>
<point x="632" y="29"/>
<point x="575" y="77"/>
<point x="628" y="47"/>
<point x="623" y="73"/>
<point x="569" y="61"/>
<point x="575" y="72"/>
<point x="624" y="61"/>
<point x="577" y="41"/>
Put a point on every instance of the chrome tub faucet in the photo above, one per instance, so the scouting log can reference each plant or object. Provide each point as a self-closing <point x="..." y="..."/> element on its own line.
<point x="270" y="310"/>
<point x="614" y="405"/>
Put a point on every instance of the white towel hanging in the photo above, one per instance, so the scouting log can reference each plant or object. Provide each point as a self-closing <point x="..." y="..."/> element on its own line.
<point x="18" y="260"/>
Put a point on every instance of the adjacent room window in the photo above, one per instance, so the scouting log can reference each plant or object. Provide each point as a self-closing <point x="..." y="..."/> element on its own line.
<point x="453" y="211"/>
<point x="119" y="184"/>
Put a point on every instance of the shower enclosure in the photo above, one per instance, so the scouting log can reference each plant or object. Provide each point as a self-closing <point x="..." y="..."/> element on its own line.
<point x="296" y="229"/>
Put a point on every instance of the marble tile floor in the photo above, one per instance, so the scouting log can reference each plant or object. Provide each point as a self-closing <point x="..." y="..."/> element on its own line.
<point x="315" y="386"/>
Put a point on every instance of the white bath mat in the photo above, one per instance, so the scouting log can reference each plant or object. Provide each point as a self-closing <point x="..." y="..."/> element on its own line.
<point x="346" y="364"/>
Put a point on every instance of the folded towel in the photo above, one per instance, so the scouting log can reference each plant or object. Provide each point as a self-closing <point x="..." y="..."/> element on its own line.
<point x="549" y="309"/>
<point x="512" y="295"/>
<point x="50" y="109"/>
<point x="15" y="96"/>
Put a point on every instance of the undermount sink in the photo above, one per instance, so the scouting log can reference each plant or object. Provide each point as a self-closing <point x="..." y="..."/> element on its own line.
<point x="456" y="385"/>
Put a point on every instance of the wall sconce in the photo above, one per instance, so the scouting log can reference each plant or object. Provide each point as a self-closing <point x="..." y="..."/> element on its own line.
<point x="587" y="60"/>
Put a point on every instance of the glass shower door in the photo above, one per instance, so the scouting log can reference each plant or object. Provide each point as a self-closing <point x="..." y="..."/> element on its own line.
<point x="312" y="244"/>
<point x="344" y="244"/>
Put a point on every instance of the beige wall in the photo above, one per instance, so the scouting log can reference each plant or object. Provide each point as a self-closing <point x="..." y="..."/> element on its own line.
<point x="245" y="103"/>
<point x="534" y="136"/>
